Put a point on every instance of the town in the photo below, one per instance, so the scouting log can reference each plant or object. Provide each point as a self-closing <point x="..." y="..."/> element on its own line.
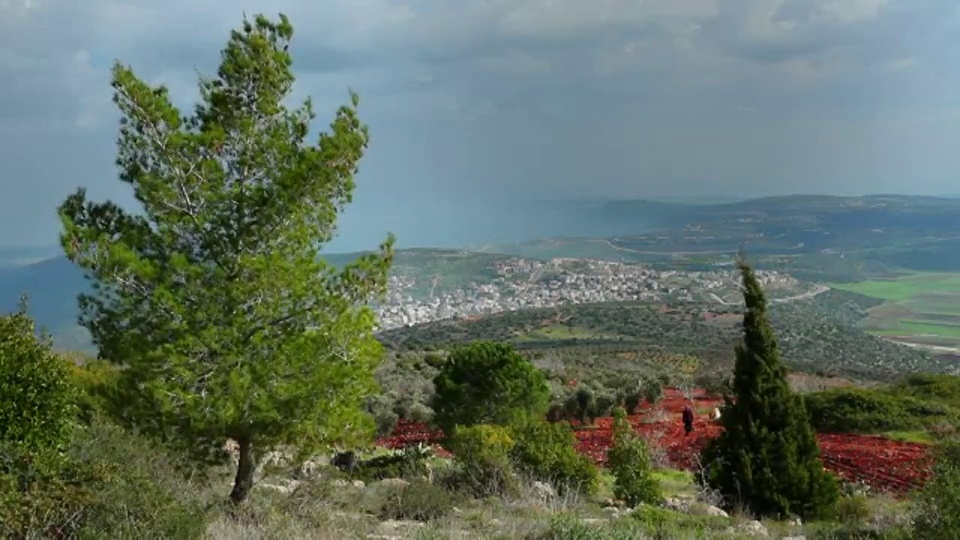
<point x="525" y="283"/>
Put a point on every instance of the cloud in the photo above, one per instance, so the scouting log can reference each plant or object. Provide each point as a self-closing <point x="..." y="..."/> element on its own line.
<point x="521" y="97"/>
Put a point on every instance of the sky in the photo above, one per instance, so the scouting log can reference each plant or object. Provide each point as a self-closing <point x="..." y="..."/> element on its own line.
<point x="474" y="102"/>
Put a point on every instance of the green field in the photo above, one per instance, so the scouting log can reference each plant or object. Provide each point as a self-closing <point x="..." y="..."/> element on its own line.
<point x="924" y="305"/>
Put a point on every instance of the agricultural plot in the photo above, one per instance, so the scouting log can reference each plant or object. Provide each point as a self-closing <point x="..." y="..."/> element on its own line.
<point x="920" y="309"/>
<point x="884" y="464"/>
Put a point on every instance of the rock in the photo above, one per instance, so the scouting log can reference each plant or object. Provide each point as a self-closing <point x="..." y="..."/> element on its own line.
<point x="393" y="525"/>
<point x="544" y="491"/>
<point x="309" y="468"/>
<point x="593" y="521"/>
<point x="393" y="482"/>
<point x="287" y="488"/>
<point x="677" y="504"/>
<point x="753" y="528"/>
<point x="714" y="511"/>
<point x="794" y="538"/>
<point x="340" y="482"/>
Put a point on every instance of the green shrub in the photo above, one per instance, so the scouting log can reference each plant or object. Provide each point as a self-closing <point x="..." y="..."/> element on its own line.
<point x="419" y="500"/>
<point x="38" y="400"/>
<point x="96" y="382"/>
<point x="488" y="383"/>
<point x="381" y="409"/>
<point x="110" y="484"/>
<point x="410" y="462"/>
<point x="653" y="391"/>
<point x="483" y="454"/>
<point x="585" y="403"/>
<point x="546" y="451"/>
<point x="938" y="504"/>
<point x="629" y="461"/>
<point x="853" y="509"/>
<point x="632" y="400"/>
<point x="871" y="411"/>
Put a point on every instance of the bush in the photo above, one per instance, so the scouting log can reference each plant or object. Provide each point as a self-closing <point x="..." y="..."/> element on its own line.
<point x="631" y="401"/>
<point x="853" y="509"/>
<point x="419" y="500"/>
<point x="629" y="461"/>
<point x="96" y="382"/>
<point x="871" y="411"/>
<point x="483" y="454"/>
<point x="110" y="484"/>
<point x="546" y="451"/>
<point x="653" y="392"/>
<point x="938" y="504"/>
<point x="39" y="402"/>
<point x="380" y="408"/>
<point x="411" y="462"/>
<point x="488" y="383"/>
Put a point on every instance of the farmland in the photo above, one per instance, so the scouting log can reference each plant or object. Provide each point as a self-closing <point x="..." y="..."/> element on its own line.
<point x="881" y="463"/>
<point x="921" y="309"/>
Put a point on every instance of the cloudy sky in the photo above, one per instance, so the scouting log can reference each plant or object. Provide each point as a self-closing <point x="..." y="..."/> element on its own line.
<point x="470" y="101"/>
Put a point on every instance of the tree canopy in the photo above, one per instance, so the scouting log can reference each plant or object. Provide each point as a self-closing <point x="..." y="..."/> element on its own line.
<point x="213" y="297"/>
<point x="488" y="383"/>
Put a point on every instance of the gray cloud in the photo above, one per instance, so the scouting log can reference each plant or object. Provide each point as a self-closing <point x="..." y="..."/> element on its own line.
<point x="546" y="98"/>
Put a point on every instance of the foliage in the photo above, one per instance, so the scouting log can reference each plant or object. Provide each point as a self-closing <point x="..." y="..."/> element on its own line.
<point x="39" y="402"/>
<point x="938" y="504"/>
<point x="96" y="382"/>
<point x="483" y="454"/>
<point x="213" y="297"/>
<point x="767" y="457"/>
<point x="487" y="382"/>
<point x="409" y="462"/>
<point x="545" y="451"/>
<point x="419" y="500"/>
<point x="652" y="391"/>
<point x="862" y="410"/>
<point x="110" y="484"/>
<point x="629" y="461"/>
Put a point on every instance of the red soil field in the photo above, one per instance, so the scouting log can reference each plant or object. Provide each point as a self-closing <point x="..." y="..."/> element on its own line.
<point x="881" y="463"/>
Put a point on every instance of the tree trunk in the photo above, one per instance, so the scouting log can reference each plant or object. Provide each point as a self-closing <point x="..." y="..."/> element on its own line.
<point x="247" y="466"/>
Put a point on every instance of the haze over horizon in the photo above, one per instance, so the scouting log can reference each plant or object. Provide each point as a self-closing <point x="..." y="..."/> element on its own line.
<point x="474" y="103"/>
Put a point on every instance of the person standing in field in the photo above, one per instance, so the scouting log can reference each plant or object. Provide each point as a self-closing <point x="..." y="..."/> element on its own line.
<point x="687" y="420"/>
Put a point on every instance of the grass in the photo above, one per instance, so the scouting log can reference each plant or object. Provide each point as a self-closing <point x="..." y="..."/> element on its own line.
<point x="920" y="304"/>
<point x="922" y="437"/>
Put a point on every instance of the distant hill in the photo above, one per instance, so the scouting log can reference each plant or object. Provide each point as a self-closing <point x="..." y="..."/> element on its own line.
<point x="54" y="284"/>
<point x="13" y="256"/>
<point x="815" y="237"/>
<point x="820" y="335"/>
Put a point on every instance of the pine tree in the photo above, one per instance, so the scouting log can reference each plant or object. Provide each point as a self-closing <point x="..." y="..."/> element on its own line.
<point x="767" y="458"/>
<point x="213" y="298"/>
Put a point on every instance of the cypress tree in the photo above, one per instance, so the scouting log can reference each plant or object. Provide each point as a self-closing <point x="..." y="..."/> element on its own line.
<point x="767" y="458"/>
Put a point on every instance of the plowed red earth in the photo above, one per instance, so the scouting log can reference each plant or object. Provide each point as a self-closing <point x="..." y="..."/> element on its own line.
<point x="884" y="464"/>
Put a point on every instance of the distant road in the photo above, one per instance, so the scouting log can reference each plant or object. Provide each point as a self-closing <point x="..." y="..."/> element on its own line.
<point x="818" y="289"/>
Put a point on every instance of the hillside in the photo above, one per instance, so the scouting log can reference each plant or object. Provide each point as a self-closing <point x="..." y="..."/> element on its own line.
<point x="53" y="284"/>
<point x="815" y="237"/>
<point x="819" y="335"/>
